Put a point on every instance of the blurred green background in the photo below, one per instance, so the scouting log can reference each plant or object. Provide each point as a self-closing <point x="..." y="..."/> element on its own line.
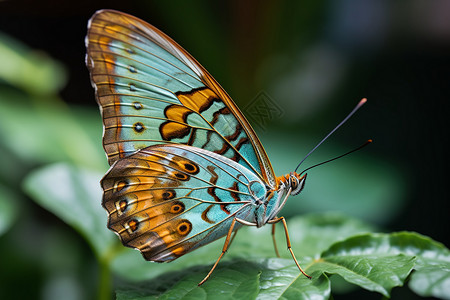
<point x="314" y="59"/>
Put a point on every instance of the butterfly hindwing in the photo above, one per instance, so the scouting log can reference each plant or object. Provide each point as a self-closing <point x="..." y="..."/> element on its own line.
<point x="153" y="92"/>
<point x="167" y="200"/>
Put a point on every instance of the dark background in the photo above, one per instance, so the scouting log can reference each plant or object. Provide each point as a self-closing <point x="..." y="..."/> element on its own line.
<point x="315" y="59"/>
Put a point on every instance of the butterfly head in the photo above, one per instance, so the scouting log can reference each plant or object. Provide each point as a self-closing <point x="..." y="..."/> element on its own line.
<point x="296" y="182"/>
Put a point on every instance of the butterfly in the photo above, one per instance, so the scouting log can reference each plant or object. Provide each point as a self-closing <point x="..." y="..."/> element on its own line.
<point x="186" y="166"/>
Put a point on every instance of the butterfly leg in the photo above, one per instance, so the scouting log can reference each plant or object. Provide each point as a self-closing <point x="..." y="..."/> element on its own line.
<point x="288" y="241"/>
<point x="225" y="248"/>
<point x="232" y="238"/>
<point x="274" y="240"/>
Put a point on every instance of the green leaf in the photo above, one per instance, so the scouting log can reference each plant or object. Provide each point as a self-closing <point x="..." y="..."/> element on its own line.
<point x="28" y="69"/>
<point x="309" y="236"/>
<point x="375" y="262"/>
<point x="314" y="233"/>
<point x="432" y="268"/>
<point x="52" y="131"/>
<point x="433" y="280"/>
<point x="74" y="195"/>
<point x="238" y="279"/>
<point x="8" y="208"/>
<point x="281" y="279"/>
<point x="432" y="275"/>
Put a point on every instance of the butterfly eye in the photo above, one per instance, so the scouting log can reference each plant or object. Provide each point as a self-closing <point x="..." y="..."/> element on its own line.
<point x="184" y="227"/>
<point x="294" y="182"/>
<point x="297" y="184"/>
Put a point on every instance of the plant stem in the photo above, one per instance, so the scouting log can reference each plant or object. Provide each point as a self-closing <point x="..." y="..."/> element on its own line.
<point x="105" y="282"/>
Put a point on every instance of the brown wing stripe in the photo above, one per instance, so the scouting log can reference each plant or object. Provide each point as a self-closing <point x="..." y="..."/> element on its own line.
<point x="234" y="187"/>
<point x="212" y="190"/>
<point x="205" y="214"/>
<point x="241" y="142"/>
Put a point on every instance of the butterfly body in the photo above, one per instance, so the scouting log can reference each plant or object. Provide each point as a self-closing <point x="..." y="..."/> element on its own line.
<point x="186" y="166"/>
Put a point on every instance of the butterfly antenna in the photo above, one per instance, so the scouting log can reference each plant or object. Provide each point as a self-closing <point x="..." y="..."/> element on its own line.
<point x="364" y="100"/>
<point x="337" y="157"/>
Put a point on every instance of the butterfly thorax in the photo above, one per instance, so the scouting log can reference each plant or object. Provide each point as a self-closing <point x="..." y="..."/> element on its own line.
<point x="289" y="184"/>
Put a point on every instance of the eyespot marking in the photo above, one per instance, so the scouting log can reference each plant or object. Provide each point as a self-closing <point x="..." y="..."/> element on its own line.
<point x="121" y="205"/>
<point x="184" y="227"/>
<point x="138" y="105"/>
<point x="190" y="167"/>
<point x="181" y="176"/>
<point x="120" y="185"/>
<point x="132" y="69"/>
<point x="169" y="194"/>
<point x="177" y="208"/>
<point x="133" y="225"/>
<point x="138" y="127"/>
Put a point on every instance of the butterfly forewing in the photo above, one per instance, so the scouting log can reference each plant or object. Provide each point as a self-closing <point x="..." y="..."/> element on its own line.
<point x="168" y="200"/>
<point x="153" y="92"/>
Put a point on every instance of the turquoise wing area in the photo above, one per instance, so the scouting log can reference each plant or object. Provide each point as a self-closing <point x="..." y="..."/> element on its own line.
<point x="151" y="92"/>
<point x="167" y="200"/>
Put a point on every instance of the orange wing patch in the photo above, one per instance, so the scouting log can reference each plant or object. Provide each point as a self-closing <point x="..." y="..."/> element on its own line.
<point x="177" y="127"/>
<point x="198" y="100"/>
